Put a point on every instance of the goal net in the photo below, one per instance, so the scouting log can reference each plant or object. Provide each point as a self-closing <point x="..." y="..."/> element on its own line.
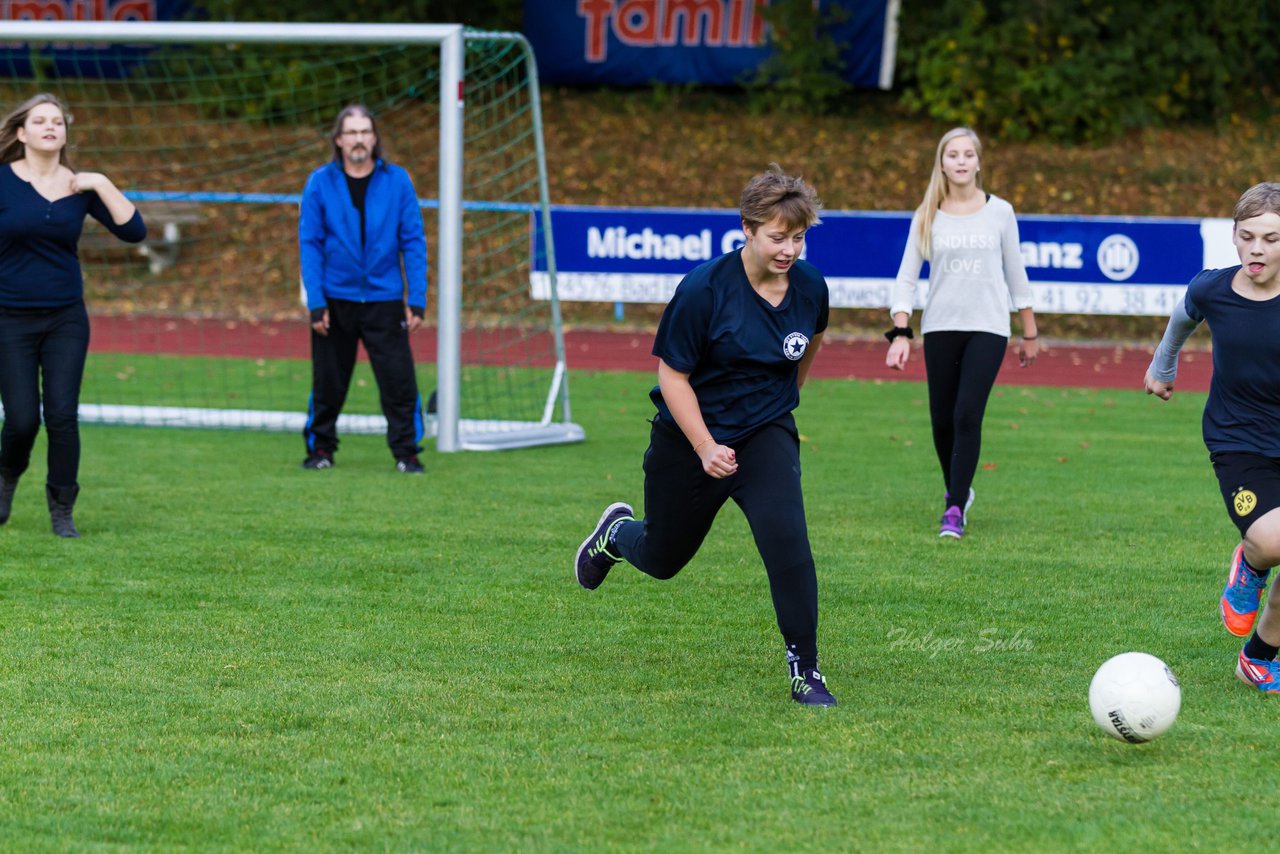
<point x="212" y="130"/>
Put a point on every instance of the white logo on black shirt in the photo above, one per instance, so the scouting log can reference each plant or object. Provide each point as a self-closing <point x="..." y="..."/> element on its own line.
<point x="793" y="346"/>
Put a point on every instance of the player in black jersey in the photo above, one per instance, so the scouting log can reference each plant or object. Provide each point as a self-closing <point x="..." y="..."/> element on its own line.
<point x="1242" y="417"/>
<point x="734" y="346"/>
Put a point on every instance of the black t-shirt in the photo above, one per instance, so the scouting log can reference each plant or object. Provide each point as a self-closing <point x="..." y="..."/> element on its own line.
<point x="359" y="187"/>
<point x="740" y="352"/>
<point x="1243" y="409"/>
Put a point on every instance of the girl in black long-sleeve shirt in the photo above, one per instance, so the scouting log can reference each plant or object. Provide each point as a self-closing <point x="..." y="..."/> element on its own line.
<point x="44" y="328"/>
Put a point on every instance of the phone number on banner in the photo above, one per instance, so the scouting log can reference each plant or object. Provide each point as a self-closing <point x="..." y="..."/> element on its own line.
<point x="1048" y="297"/>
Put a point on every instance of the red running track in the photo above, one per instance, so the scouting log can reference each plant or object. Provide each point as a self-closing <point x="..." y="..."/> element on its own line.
<point x="1067" y="365"/>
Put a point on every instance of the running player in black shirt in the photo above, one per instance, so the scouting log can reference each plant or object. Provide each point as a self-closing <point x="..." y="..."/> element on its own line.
<point x="734" y="346"/>
<point x="1242" y="417"/>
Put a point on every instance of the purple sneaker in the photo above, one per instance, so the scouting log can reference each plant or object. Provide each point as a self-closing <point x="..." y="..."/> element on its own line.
<point x="952" y="523"/>
<point x="594" y="560"/>
<point x="946" y="501"/>
<point x="810" y="689"/>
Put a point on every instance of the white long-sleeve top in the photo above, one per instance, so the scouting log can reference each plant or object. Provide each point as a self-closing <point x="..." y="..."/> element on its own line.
<point x="976" y="275"/>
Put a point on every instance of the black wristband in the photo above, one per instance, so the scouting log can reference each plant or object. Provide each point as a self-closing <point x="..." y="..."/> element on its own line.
<point x="418" y="311"/>
<point x="899" y="332"/>
<point x="317" y="314"/>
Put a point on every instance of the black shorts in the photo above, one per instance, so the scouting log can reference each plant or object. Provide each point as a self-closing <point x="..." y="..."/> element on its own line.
<point x="1250" y="485"/>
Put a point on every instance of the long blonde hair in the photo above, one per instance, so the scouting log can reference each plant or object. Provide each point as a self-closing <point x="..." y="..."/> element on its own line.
<point x="939" y="188"/>
<point x="12" y="148"/>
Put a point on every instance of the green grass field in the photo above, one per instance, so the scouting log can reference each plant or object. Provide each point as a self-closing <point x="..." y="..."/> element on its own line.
<point x="240" y="655"/>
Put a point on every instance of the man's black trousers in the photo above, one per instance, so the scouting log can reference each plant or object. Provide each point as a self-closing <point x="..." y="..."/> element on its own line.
<point x="382" y="328"/>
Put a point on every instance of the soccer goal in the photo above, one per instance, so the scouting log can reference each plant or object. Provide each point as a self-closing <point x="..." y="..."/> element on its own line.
<point x="212" y="129"/>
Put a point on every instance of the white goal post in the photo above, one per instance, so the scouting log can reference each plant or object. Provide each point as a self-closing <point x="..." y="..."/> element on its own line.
<point x="452" y="430"/>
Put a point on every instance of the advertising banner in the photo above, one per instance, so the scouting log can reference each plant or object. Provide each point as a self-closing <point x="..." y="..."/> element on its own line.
<point x="1077" y="265"/>
<point x="81" y="60"/>
<point x="712" y="42"/>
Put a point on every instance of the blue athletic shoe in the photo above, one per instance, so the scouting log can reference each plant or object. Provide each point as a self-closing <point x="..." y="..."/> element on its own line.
<point x="1242" y="595"/>
<point x="810" y="689"/>
<point x="594" y="560"/>
<point x="1263" y="675"/>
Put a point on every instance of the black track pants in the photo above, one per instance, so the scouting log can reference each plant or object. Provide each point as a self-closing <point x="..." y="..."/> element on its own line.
<point x="681" y="502"/>
<point x="381" y="326"/>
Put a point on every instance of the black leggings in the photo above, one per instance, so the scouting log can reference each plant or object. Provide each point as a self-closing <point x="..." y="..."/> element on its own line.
<point x="962" y="368"/>
<point x="681" y="501"/>
<point x="42" y="349"/>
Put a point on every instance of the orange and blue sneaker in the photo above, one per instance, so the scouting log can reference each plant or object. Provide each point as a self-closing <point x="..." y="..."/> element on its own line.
<point x="594" y="559"/>
<point x="1261" y="674"/>
<point x="1242" y="595"/>
<point x="810" y="689"/>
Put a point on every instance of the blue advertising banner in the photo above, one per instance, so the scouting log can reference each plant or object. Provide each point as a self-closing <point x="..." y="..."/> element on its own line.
<point x="713" y="42"/>
<point x="1077" y="265"/>
<point x="80" y="59"/>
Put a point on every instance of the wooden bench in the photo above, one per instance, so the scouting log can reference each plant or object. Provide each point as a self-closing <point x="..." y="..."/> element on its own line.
<point x="164" y="219"/>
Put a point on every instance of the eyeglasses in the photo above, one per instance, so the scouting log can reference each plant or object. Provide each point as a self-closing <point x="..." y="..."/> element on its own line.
<point x="352" y="134"/>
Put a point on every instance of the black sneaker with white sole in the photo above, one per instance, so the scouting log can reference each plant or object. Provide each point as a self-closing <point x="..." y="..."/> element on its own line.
<point x="409" y="465"/>
<point x="594" y="560"/>
<point x="318" y="459"/>
<point x="810" y="689"/>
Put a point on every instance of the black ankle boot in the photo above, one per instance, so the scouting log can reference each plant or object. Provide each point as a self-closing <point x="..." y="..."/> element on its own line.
<point x="8" y="485"/>
<point x="61" y="499"/>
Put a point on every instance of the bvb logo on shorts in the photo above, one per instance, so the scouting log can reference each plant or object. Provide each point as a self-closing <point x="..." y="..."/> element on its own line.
<point x="1244" y="501"/>
<point x="793" y="346"/>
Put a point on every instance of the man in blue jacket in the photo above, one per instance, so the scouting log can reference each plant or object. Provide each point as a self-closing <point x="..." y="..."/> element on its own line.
<point x="360" y="223"/>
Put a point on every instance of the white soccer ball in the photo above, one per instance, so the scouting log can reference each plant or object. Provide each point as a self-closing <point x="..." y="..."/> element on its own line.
<point x="1134" y="697"/>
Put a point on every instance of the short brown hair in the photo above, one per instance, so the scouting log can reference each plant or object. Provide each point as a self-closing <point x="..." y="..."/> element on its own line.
<point x="1259" y="199"/>
<point x="773" y="194"/>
